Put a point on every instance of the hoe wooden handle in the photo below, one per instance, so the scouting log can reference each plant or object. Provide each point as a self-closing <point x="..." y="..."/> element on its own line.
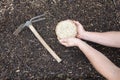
<point x="44" y="43"/>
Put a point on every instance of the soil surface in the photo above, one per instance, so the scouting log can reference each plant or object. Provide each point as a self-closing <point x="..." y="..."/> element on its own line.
<point x="22" y="57"/>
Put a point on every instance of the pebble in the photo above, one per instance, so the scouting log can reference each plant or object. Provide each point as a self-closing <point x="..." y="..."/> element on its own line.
<point x="18" y="71"/>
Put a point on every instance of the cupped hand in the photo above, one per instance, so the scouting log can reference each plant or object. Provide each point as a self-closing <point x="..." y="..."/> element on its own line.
<point x="80" y="29"/>
<point x="69" y="42"/>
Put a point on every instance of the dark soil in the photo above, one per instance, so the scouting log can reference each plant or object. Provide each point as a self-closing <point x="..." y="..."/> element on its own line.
<point x="22" y="57"/>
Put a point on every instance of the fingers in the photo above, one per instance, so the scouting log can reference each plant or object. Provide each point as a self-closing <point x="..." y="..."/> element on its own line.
<point x="69" y="42"/>
<point x="78" y="36"/>
<point x="77" y="23"/>
<point x="63" y="42"/>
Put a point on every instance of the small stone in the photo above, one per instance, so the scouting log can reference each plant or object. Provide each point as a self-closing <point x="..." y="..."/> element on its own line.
<point x="70" y="72"/>
<point x="17" y="70"/>
<point x="91" y="24"/>
<point x="80" y="68"/>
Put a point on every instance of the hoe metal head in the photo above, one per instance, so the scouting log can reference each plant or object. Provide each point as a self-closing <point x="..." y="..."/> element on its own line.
<point x="32" y="20"/>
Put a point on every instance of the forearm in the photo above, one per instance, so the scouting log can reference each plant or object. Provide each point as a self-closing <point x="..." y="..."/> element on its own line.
<point x="111" y="39"/>
<point x="102" y="64"/>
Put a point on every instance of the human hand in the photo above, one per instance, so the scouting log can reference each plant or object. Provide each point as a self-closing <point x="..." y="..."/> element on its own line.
<point x="80" y="29"/>
<point x="69" y="42"/>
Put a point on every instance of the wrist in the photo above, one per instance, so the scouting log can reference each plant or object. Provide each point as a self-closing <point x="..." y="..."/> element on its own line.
<point x="84" y="35"/>
<point x="82" y="45"/>
<point x="79" y="43"/>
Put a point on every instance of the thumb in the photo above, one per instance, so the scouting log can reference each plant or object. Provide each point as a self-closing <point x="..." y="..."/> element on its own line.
<point x="63" y="40"/>
<point x="76" y="23"/>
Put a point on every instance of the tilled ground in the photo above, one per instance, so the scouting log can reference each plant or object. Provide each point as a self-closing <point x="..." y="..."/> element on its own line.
<point x="22" y="57"/>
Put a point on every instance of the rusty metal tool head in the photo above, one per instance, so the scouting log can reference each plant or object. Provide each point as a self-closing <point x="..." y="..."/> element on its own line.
<point x="30" y="26"/>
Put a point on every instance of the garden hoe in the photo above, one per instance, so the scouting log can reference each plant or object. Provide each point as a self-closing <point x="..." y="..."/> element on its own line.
<point x="30" y="26"/>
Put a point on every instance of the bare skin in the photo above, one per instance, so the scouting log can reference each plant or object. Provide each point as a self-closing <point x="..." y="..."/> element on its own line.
<point x="111" y="39"/>
<point x="101" y="63"/>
